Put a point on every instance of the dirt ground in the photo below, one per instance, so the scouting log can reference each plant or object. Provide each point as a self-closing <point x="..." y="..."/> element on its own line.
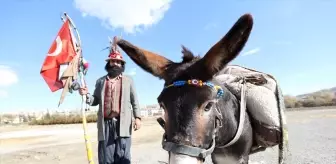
<point x="64" y="144"/>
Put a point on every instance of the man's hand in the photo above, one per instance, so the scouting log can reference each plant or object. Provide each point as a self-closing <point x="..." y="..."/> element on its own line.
<point x="137" y="124"/>
<point x="83" y="91"/>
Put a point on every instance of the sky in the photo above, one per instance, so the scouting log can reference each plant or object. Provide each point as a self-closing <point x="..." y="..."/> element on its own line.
<point x="294" y="40"/>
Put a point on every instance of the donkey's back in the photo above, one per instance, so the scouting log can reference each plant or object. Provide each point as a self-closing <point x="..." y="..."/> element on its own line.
<point x="264" y="103"/>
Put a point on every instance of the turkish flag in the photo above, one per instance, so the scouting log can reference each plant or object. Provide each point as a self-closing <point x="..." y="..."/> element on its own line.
<point x="61" y="52"/>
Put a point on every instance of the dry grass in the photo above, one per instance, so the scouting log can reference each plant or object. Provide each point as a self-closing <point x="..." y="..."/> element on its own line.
<point x="63" y="119"/>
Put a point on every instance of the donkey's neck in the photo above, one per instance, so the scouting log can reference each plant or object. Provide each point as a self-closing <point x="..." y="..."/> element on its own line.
<point x="229" y="106"/>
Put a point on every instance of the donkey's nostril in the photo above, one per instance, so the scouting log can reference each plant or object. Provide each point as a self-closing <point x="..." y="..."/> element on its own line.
<point x="176" y="139"/>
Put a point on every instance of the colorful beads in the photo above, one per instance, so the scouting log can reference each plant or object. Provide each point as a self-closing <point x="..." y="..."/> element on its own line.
<point x="179" y="83"/>
<point x="200" y="83"/>
<point x="220" y="92"/>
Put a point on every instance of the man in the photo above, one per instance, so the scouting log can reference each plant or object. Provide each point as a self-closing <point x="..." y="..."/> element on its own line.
<point x="115" y="94"/>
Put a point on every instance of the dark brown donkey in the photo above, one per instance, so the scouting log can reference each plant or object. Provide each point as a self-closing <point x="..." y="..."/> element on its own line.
<point x="201" y="115"/>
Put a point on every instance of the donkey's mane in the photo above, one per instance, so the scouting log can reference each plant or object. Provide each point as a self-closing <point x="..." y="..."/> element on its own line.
<point x="188" y="56"/>
<point x="175" y="70"/>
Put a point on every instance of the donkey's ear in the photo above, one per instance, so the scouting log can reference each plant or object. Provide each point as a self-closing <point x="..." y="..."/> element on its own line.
<point x="149" y="61"/>
<point x="228" y="47"/>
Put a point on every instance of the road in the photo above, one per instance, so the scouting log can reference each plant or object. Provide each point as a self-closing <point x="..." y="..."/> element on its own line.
<point x="312" y="137"/>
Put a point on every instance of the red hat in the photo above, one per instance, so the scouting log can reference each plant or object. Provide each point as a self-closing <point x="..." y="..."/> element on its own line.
<point x="115" y="55"/>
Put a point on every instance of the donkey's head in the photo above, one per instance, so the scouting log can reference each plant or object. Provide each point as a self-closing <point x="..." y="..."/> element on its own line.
<point x="190" y="95"/>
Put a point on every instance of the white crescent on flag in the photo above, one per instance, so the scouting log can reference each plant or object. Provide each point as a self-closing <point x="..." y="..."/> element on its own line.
<point x="58" y="49"/>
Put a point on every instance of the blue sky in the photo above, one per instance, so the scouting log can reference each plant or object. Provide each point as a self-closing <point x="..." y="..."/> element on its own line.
<point x="292" y="40"/>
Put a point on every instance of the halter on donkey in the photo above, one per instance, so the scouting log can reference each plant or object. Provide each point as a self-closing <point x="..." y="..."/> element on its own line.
<point x="202" y="115"/>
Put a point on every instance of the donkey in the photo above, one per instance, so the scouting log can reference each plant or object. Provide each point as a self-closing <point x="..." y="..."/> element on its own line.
<point x="201" y="115"/>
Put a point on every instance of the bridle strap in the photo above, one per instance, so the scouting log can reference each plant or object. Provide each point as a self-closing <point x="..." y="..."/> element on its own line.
<point x="187" y="150"/>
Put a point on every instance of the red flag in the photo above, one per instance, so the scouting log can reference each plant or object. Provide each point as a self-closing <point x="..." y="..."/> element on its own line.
<point x="61" y="51"/>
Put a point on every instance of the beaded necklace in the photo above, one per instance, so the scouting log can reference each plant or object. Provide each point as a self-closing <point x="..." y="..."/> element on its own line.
<point x="198" y="83"/>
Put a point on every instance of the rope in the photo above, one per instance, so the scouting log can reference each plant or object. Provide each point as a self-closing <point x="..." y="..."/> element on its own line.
<point x="241" y="116"/>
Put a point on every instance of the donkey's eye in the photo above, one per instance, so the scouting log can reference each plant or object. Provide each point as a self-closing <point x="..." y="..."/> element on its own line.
<point x="208" y="106"/>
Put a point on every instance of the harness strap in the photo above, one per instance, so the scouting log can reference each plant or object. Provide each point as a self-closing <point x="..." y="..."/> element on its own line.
<point x="241" y="117"/>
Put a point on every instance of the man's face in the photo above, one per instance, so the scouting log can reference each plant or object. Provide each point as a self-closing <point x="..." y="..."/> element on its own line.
<point x="114" y="68"/>
<point x="115" y="63"/>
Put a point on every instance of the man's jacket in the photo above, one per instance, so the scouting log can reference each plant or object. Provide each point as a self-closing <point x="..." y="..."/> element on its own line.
<point x="129" y="106"/>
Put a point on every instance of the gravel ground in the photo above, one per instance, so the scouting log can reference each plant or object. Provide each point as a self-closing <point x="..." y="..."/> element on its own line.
<point x="312" y="135"/>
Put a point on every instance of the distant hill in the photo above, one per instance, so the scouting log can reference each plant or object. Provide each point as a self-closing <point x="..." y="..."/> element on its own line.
<point x="330" y="90"/>
<point x="324" y="97"/>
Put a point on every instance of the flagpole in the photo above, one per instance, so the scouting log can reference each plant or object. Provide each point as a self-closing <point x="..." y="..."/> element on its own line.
<point x="83" y="83"/>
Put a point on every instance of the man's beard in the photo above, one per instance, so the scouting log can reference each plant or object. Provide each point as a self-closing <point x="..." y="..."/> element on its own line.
<point x="114" y="71"/>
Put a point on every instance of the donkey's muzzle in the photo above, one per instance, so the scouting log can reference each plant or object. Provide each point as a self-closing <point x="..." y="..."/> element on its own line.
<point x="186" y="149"/>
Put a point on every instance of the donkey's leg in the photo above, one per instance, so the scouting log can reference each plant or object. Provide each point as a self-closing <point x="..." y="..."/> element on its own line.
<point x="221" y="157"/>
<point x="239" y="151"/>
<point x="244" y="160"/>
<point x="245" y="142"/>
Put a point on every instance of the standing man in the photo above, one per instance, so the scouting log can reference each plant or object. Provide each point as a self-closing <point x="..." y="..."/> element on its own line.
<point x="117" y="99"/>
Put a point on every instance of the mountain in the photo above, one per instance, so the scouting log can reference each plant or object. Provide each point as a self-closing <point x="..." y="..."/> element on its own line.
<point x="324" y="97"/>
<point x="330" y="90"/>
